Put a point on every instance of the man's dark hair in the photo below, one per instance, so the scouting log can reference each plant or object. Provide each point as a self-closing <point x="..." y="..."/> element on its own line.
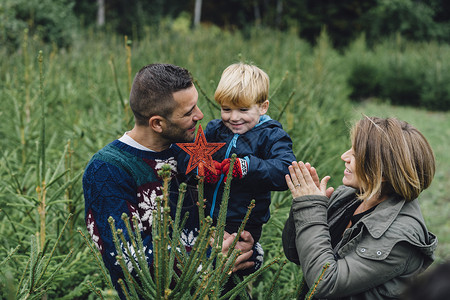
<point x="152" y="91"/>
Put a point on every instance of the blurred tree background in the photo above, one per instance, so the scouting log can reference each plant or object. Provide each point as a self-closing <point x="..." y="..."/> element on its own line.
<point x="54" y="20"/>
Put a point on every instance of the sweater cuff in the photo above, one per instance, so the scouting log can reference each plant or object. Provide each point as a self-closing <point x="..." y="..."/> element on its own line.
<point x="301" y="202"/>
<point x="309" y="210"/>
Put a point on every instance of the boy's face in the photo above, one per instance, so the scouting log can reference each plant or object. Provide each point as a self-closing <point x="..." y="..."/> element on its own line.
<point x="242" y="119"/>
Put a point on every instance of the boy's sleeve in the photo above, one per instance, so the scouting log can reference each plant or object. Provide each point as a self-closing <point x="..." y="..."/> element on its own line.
<point x="110" y="191"/>
<point x="270" y="170"/>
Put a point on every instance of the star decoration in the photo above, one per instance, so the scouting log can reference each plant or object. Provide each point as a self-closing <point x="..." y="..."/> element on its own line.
<point x="201" y="153"/>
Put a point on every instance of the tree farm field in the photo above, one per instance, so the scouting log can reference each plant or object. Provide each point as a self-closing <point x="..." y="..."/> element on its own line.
<point x="60" y="106"/>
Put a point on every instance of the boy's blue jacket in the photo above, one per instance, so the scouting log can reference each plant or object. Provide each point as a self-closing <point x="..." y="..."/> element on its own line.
<point x="268" y="151"/>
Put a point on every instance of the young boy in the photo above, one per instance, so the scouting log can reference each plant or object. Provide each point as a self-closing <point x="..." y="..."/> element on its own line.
<point x="263" y="149"/>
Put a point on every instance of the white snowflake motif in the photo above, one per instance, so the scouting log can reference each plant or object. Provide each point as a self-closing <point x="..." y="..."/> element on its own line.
<point x="127" y="257"/>
<point x="260" y="251"/>
<point x="148" y="205"/>
<point x="188" y="238"/>
<point x="134" y="213"/>
<point x="90" y="227"/>
<point x="170" y="161"/>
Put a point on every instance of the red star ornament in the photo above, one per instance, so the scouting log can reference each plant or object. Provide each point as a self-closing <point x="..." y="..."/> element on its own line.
<point x="201" y="153"/>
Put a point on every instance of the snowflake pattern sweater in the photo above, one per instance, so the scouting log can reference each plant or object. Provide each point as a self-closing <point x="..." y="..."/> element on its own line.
<point x="122" y="178"/>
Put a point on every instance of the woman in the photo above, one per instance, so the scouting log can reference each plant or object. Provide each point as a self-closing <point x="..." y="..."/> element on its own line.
<point x="369" y="234"/>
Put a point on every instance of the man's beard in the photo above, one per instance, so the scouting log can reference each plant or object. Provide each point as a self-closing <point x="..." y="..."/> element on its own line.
<point x="175" y="134"/>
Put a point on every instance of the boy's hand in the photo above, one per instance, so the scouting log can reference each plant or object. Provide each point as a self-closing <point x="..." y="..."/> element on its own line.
<point x="210" y="177"/>
<point x="240" y="168"/>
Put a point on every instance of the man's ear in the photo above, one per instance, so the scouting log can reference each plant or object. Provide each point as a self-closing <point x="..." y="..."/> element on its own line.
<point x="155" y="123"/>
<point x="263" y="107"/>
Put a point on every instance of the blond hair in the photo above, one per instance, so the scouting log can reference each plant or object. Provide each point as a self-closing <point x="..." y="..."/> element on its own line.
<point x="391" y="157"/>
<point x="242" y="85"/>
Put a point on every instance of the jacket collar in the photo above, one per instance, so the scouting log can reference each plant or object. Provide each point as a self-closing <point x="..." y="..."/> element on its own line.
<point x="383" y="216"/>
<point x="263" y="119"/>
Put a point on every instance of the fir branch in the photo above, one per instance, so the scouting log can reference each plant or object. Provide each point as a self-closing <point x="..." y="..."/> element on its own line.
<point x="235" y="291"/>
<point x="277" y="88"/>
<point x="8" y="257"/>
<point x="176" y="229"/>
<point x="116" y="82"/>
<point x="209" y="101"/>
<point x="313" y="289"/>
<point x="141" y="254"/>
<point x="242" y="226"/>
<point x="139" y="271"/>
<point x="124" y="289"/>
<point x="98" y="259"/>
<point x="291" y="96"/>
<point x="112" y="222"/>
<point x="55" y="246"/>
<point x="129" y="280"/>
<point x="52" y="275"/>
<point x="22" y="278"/>
<point x="94" y="289"/>
<point x="224" y="204"/>
<point x="201" y="197"/>
<point x="275" y="279"/>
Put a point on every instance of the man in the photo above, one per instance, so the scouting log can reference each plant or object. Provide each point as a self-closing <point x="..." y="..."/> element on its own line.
<point x="123" y="176"/>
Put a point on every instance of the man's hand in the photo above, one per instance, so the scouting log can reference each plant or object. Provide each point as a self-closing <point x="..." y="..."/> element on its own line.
<point x="245" y="245"/>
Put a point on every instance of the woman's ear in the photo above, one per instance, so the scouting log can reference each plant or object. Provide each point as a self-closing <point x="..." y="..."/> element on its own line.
<point x="263" y="107"/>
<point x="155" y="123"/>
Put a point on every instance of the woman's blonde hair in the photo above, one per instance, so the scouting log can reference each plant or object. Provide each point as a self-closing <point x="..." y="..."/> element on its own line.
<point x="391" y="157"/>
<point x="242" y="85"/>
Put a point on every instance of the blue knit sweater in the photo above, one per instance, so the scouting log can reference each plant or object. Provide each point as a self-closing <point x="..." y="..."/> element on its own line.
<point x="123" y="179"/>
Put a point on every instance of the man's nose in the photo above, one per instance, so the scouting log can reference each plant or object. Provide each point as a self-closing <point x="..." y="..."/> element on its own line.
<point x="198" y="114"/>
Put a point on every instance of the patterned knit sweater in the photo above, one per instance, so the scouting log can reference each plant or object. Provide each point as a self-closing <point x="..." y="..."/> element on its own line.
<point x="121" y="178"/>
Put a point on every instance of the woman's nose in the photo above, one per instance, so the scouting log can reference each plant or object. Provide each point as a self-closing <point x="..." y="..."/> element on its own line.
<point x="344" y="155"/>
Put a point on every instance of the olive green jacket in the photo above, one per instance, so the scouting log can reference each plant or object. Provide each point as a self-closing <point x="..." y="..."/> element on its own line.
<point x="376" y="258"/>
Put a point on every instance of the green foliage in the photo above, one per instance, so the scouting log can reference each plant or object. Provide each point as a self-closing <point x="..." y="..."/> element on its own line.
<point x="436" y="89"/>
<point x="413" y="20"/>
<point x="48" y="20"/>
<point x="40" y="196"/>
<point x="400" y="73"/>
<point x="364" y="80"/>
<point x="85" y="91"/>
<point x="401" y="84"/>
<point x="11" y="28"/>
<point x="177" y="274"/>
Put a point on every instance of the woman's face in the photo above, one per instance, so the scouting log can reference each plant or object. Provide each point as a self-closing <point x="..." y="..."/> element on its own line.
<point x="350" y="179"/>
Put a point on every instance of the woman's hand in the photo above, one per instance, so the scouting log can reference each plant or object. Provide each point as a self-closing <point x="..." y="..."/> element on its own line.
<point x="303" y="180"/>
